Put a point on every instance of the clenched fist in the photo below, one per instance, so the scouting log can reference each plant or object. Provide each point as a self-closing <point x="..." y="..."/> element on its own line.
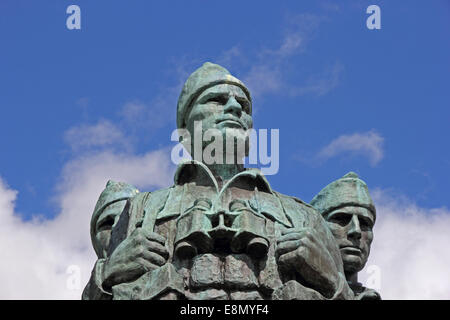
<point x="141" y="252"/>
<point x="301" y="250"/>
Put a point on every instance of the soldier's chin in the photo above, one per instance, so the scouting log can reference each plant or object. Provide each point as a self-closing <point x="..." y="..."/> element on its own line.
<point x="233" y="132"/>
<point x="352" y="263"/>
<point x="236" y="137"/>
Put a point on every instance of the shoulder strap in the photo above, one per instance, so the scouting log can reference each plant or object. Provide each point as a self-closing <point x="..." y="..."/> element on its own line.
<point x="299" y="213"/>
<point x="134" y="215"/>
<point x="153" y="206"/>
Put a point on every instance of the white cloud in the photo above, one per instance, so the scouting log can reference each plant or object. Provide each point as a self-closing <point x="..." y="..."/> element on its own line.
<point x="132" y="111"/>
<point x="291" y="43"/>
<point x="322" y="83"/>
<point x="270" y="68"/>
<point x="37" y="253"/>
<point x="410" y="248"/>
<point x="263" y="79"/>
<point x="267" y="71"/>
<point x="410" y="244"/>
<point x="230" y="55"/>
<point x="161" y="109"/>
<point x="369" y="144"/>
<point x="102" y="134"/>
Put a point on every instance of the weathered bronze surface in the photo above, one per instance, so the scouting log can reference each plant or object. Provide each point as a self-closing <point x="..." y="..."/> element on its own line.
<point x="221" y="231"/>
<point x="350" y="214"/>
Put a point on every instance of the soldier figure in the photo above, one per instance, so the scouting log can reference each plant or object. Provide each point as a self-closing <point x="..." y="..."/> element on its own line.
<point x="350" y="213"/>
<point x="220" y="232"/>
<point x="106" y="213"/>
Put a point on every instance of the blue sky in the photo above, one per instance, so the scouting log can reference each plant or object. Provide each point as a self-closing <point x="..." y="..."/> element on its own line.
<point x="393" y="81"/>
<point x="345" y="98"/>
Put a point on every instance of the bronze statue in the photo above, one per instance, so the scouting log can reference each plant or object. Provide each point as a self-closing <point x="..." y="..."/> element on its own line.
<point x="221" y="231"/>
<point x="350" y="213"/>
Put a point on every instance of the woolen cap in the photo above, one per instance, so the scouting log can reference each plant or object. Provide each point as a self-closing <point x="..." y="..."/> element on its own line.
<point x="349" y="190"/>
<point x="208" y="75"/>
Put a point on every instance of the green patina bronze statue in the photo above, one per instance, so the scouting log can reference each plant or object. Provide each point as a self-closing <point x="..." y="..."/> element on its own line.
<point x="350" y="213"/>
<point x="221" y="231"/>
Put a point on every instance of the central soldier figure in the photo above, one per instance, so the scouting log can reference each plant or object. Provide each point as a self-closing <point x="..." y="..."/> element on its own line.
<point x="220" y="232"/>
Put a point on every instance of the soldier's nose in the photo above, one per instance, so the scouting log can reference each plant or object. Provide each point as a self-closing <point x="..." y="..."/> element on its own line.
<point x="218" y="220"/>
<point x="233" y="107"/>
<point x="355" y="230"/>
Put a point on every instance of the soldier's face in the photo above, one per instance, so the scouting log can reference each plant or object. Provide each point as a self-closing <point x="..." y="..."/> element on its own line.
<point x="106" y="222"/>
<point x="223" y="107"/>
<point x="352" y="228"/>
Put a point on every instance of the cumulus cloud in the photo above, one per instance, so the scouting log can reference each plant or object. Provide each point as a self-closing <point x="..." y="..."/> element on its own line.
<point x="410" y="249"/>
<point x="368" y="144"/>
<point x="38" y="254"/>
<point x="102" y="134"/>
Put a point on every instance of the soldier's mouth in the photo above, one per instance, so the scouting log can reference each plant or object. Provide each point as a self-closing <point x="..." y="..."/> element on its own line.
<point x="351" y="250"/>
<point x="235" y="123"/>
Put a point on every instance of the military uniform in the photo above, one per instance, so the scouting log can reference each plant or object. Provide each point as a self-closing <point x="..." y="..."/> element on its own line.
<point x="109" y="205"/>
<point x="364" y="293"/>
<point x="349" y="190"/>
<point x="221" y="239"/>
<point x="221" y="235"/>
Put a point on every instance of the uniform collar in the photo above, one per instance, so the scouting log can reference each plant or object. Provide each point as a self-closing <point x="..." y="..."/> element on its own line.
<point x="198" y="172"/>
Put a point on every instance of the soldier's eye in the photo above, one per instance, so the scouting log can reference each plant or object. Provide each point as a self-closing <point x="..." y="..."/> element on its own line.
<point x="365" y="224"/>
<point x="217" y="99"/>
<point x="105" y="224"/>
<point x="245" y="104"/>
<point x="341" y="219"/>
